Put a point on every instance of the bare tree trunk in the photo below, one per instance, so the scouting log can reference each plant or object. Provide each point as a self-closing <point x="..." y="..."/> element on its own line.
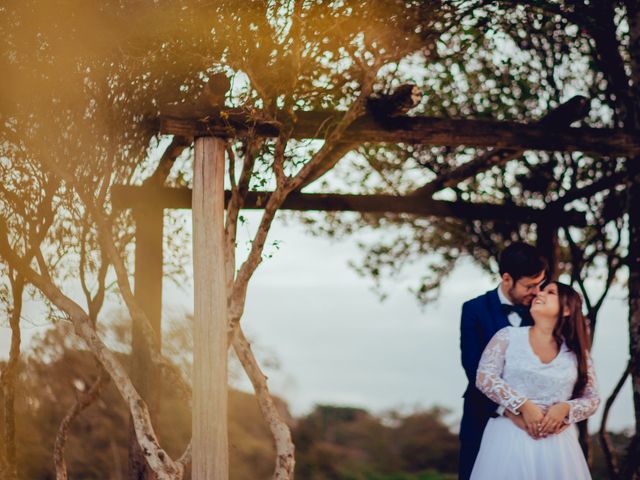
<point x="633" y="467"/>
<point x="209" y="414"/>
<point x="8" y="380"/>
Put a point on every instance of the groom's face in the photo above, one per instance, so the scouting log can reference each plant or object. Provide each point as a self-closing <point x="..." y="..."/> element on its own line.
<point x="523" y="290"/>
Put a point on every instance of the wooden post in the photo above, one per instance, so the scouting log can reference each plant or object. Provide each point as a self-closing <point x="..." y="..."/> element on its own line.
<point x="209" y="416"/>
<point x="148" y="292"/>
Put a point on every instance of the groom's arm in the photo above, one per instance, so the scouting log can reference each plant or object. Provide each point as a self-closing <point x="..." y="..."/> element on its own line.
<point x="470" y="342"/>
<point x="471" y="349"/>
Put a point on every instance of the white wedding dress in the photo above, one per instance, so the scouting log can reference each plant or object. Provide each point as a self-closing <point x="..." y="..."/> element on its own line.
<point x="510" y="373"/>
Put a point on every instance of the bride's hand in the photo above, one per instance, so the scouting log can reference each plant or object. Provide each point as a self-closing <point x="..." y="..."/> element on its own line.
<point x="516" y="419"/>
<point x="554" y="419"/>
<point x="532" y="416"/>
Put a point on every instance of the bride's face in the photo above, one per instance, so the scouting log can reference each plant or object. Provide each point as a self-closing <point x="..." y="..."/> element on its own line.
<point x="547" y="302"/>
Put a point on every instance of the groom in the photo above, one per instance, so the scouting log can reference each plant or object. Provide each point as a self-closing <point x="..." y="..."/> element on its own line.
<point x="522" y="271"/>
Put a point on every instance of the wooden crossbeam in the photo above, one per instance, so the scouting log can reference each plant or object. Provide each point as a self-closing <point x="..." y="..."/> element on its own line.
<point x="574" y="109"/>
<point x="130" y="196"/>
<point x="416" y="130"/>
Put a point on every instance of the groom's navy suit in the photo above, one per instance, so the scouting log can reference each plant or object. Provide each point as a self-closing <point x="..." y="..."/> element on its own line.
<point x="482" y="317"/>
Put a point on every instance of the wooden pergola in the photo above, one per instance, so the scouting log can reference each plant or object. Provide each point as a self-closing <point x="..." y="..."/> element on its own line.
<point x="209" y="128"/>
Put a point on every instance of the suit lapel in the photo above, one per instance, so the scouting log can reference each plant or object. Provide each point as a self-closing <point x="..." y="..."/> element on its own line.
<point x="495" y="308"/>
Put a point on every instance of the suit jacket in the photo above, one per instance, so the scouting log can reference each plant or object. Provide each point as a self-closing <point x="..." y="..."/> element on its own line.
<point x="482" y="317"/>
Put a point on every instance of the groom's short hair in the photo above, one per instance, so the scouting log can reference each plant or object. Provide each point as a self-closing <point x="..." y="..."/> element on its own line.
<point x="520" y="259"/>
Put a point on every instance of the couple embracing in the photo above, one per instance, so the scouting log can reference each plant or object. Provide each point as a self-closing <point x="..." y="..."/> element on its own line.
<point x="525" y="351"/>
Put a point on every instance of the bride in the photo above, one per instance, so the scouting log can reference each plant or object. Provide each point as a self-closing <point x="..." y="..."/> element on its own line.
<point x="544" y="375"/>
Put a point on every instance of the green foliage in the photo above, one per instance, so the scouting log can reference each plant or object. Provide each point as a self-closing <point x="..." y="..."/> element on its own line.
<point x="343" y="442"/>
<point x="83" y="82"/>
<point x="56" y="371"/>
<point x="505" y="61"/>
<point x="332" y="442"/>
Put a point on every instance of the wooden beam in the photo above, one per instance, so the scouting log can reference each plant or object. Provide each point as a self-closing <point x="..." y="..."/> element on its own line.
<point x="209" y="412"/>
<point x="382" y="107"/>
<point x="416" y="130"/>
<point x="130" y="196"/>
<point x="574" y="109"/>
<point x="148" y="292"/>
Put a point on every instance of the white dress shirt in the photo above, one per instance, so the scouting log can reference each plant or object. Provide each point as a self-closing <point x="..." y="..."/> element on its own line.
<point x="514" y="319"/>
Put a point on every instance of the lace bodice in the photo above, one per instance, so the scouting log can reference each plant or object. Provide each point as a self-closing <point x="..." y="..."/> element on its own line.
<point x="510" y="373"/>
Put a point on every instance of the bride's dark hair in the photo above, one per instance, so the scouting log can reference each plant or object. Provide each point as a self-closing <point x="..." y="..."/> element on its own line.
<point x="573" y="329"/>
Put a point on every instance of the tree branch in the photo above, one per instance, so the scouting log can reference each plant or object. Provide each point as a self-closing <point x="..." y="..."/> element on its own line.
<point x="285" y="461"/>
<point x="276" y="198"/>
<point x="156" y="457"/>
<point x="604" y="183"/>
<point x="605" y="441"/>
<point x="135" y="310"/>
<point x="176" y="147"/>
<point x="83" y="401"/>
<point x="574" y="109"/>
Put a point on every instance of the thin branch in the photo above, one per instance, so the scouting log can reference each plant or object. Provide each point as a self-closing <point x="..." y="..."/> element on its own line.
<point x="578" y="262"/>
<point x="605" y="440"/>
<point x="135" y="310"/>
<point x="248" y="267"/>
<point x="574" y="109"/>
<point x="83" y="401"/>
<point x="604" y="183"/>
<point x="279" y="195"/>
<point x="83" y="261"/>
<point x="614" y="262"/>
<point x="331" y="152"/>
<point x="278" y="159"/>
<point x="238" y="194"/>
<point x="285" y="461"/>
<point x="156" y="457"/>
<point x="176" y="147"/>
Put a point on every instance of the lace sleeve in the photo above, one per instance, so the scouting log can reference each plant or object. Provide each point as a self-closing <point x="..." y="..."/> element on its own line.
<point x="489" y="377"/>
<point x="586" y="405"/>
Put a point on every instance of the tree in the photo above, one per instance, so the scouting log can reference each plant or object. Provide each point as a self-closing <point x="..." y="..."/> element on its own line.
<point x="97" y="438"/>
<point x="519" y="61"/>
<point x="83" y="86"/>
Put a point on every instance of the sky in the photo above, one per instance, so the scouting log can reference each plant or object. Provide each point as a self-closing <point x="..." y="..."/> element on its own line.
<point x="336" y="343"/>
